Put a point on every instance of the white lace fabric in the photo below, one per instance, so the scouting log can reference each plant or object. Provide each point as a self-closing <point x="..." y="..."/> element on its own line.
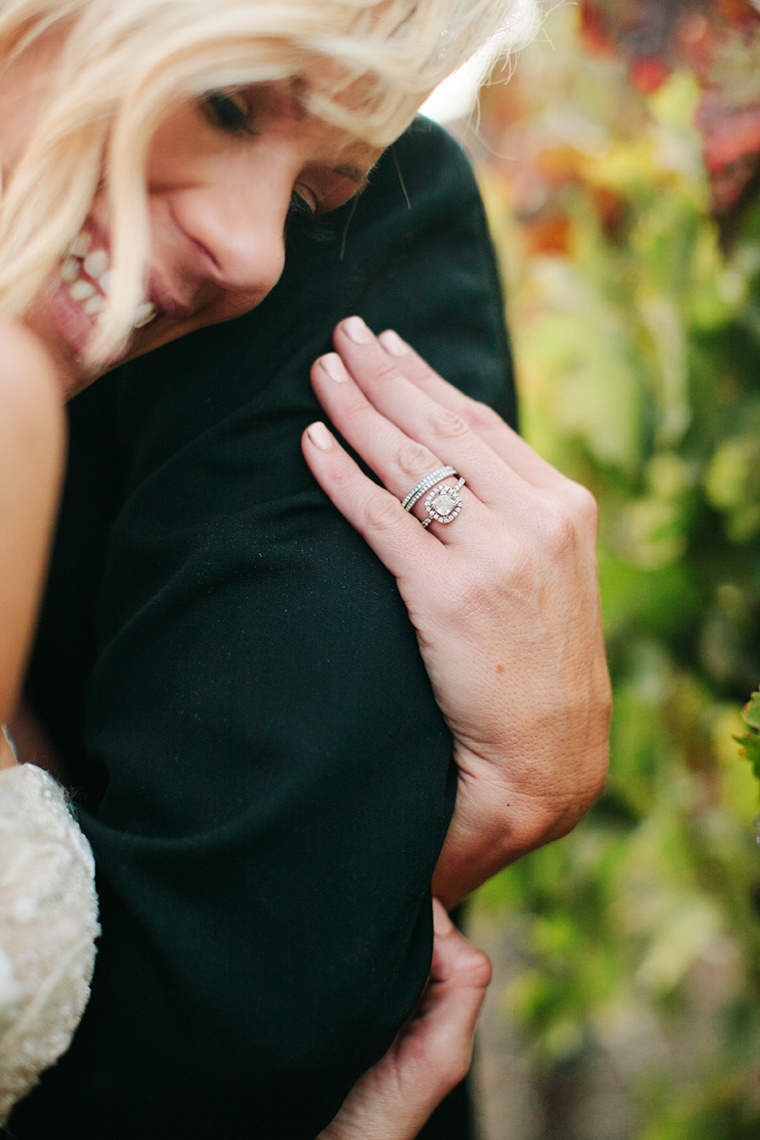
<point x="48" y="926"/>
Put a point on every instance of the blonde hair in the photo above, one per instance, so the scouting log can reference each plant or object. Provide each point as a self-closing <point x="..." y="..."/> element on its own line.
<point x="126" y="63"/>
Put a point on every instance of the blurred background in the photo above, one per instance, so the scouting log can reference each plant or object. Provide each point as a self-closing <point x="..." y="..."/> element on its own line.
<point x="621" y="171"/>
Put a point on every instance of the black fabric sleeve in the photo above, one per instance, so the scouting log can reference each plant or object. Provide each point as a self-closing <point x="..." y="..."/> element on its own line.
<point x="259" y="762"/>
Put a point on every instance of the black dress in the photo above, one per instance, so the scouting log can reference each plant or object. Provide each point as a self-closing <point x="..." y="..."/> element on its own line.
<point x="234" y="687"/>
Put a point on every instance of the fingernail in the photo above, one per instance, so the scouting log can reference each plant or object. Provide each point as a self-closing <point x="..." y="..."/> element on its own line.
<point x="356" y="330"/>
<point x="320" y="436"/>
<point x="393" y="343"/>
<point x="334" y="367"/>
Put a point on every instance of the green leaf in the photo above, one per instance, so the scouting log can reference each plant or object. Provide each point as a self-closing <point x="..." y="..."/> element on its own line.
<point x="750" y="740"/>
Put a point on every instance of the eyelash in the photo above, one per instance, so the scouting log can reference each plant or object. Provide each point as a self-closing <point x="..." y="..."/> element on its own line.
<point x="227" y="113"/>
<point x="301" y="207"/>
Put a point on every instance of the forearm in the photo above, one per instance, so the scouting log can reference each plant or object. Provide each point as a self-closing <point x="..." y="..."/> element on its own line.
<point x="31" y="454"/>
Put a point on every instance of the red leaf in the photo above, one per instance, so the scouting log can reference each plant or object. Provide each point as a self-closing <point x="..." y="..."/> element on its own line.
<point x="647" y="75"/>
<point x="729" y="136"/>
<point x="595" y="28"/>
<point x="741" y="14"/>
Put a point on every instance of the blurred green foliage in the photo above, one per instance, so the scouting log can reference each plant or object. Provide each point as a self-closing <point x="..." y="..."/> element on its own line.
<point x="750" y="738"/>
<point x="636" y="328"/>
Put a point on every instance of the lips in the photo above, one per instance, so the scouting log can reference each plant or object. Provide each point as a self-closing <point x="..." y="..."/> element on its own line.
<point x="168" y="303"/>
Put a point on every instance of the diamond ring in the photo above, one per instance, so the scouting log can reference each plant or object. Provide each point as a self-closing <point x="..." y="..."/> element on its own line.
<point x="442" y="502"/>
<point x="424" y="485"/>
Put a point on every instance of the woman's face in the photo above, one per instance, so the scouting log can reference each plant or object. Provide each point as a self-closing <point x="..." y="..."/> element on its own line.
<point x="223" y="177"/>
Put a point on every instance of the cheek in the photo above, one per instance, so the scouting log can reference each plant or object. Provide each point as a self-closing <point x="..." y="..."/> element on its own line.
<point x="24" y="93"/>
<point x="176" y="150"/>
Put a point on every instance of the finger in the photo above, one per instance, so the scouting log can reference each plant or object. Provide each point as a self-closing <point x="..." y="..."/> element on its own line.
<point x="365" y="353"/>
<point x="456" y="962"/>
<point x="484" y="421"/>
<point x="396" y="536"/>
<point x="518" y="468"/>
<point x="442" y="924"/>
<point x="431" y="1053"/>
<point x="459" y="977"/>
<point x="399" y="461"/>
<point x="444" y="433"/>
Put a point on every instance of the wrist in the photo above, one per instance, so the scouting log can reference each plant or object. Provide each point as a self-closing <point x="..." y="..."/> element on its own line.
<point x="497" y="820"/>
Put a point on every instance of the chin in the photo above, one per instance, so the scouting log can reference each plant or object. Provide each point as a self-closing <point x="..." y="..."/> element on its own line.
<point x="73" y="378"/>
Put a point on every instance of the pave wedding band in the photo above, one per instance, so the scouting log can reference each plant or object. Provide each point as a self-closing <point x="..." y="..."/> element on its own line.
<point x="442" y="502"/>
<point x="424" y="485"/>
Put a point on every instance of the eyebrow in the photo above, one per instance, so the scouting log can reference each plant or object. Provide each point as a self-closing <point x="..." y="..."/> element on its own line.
<point x="298" y="87"/>
<point x="355" y="174"/>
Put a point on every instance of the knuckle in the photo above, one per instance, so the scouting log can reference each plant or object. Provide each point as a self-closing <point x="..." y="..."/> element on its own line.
<point x="559" y="529"/>
<point x="480" y="968"/>
<point x="414" y="459"/>
<point x="482" y="418"/>
<point x="584" y="505"/>
<point x="342" y="477"/>
<point x="381" y="511"/>
<point x="446" y="424"/>
<point x="384" y="370"/>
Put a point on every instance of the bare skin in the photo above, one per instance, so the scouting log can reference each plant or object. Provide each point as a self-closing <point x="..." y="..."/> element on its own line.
<point x="31" y="459"/>
<point x="216" y="249"/>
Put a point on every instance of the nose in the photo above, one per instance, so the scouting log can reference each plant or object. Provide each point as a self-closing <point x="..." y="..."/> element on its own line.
<point x="239" y="236"/>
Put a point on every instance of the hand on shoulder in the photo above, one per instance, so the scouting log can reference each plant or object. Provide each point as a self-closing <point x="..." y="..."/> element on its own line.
<point x="504" y="600"/>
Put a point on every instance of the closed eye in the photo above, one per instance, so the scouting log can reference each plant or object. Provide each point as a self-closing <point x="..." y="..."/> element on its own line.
<point x="303" y="204"/>
<point x="229" y="111"/>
